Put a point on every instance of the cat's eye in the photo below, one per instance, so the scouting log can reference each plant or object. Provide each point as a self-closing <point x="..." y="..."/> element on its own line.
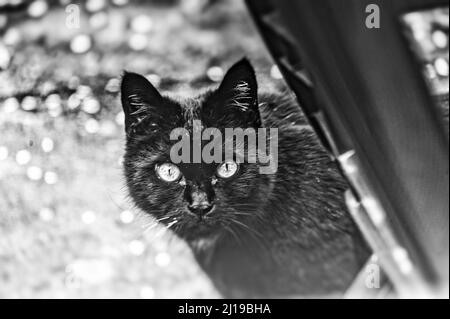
<point x="168" y="172"/>
<point x="227" y="169"/>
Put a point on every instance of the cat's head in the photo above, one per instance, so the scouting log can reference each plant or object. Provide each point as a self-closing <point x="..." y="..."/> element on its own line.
<point x="198" y="200"/>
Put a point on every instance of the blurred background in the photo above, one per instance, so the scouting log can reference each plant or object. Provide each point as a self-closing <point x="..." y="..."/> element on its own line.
<point x="67" y="228"/>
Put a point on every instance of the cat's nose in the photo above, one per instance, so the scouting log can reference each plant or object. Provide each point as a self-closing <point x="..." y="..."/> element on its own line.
<point x="201" y="210"/>
<point x="200" y="204"/>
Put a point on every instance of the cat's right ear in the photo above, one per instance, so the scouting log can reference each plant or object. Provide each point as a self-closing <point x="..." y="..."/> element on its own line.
<point x="138" y="96"/>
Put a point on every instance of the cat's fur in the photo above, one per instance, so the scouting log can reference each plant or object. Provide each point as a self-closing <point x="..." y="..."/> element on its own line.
<point x="284" y="234"/>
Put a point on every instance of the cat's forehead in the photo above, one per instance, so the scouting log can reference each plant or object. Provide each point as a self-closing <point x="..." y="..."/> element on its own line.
<point x="195" y="112"/>
<point x="191" y="104"/>
<point x="207" y="110"/>
<point x="191" y="109"/>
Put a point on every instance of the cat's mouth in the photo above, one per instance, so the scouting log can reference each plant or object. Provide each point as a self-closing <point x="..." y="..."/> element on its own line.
<point x="199" y="227"/>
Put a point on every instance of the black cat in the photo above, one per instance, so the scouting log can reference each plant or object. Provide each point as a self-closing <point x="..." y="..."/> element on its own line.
<point x="255" y="235"/>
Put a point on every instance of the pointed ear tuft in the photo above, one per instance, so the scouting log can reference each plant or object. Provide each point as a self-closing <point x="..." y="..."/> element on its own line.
<point x="137" y="95"/>
<point x="239" y="86"/>
<point x="237" y="95"/>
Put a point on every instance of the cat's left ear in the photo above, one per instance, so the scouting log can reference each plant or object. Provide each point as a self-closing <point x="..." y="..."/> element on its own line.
<point x="138" y="97"/>
<point x="239" y="91"/>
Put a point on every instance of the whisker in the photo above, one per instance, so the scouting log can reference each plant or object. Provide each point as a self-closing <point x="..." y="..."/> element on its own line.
<point x="171" y="224"/>
<point x="251" y="230"/>
<point x="233" y="233"/>
<point x="150" y="228"/>
<point x="160" y="233"/>
<point x="150" y="223"/>
<point x="241" y="214"/>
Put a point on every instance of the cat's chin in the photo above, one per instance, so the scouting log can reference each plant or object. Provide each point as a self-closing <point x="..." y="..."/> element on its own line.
<point x="204" y="243"/>
<point x="200" y="231"/>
